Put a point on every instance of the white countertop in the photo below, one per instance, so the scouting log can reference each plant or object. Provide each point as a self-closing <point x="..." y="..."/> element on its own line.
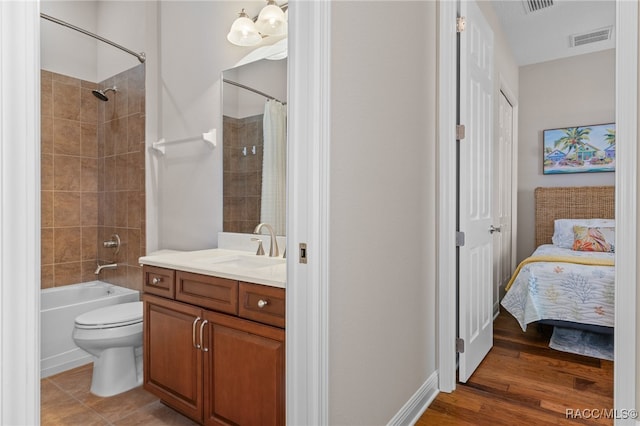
<point x="233" y="264"/>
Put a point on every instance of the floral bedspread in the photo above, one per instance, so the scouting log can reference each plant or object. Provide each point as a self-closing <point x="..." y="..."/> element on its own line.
<point x="563" y="291"/>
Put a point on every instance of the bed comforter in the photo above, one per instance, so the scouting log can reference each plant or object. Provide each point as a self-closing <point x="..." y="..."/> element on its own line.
<point x="563" y="290"/>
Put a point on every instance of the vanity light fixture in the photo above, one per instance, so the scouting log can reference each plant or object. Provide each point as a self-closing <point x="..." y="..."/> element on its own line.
<point x="272" y="21"/>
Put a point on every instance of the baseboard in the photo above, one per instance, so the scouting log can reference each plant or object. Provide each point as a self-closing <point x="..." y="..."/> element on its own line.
<point x="63" y="362"/>
<point x="417" y="404"/>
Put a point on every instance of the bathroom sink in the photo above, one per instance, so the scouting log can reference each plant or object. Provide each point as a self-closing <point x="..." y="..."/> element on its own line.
<point x="244" y="262"/>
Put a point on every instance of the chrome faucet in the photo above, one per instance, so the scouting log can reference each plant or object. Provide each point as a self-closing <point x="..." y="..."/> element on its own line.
<point x="273" y="247"/>
<point x="107" y="266"/>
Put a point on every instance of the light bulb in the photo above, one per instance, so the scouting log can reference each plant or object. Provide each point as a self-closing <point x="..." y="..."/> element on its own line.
<point x="271" y="20"/>
<point x="243" y="32"/>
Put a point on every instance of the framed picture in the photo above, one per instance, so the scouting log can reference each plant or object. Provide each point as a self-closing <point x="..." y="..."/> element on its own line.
<point x="583" y="149"/>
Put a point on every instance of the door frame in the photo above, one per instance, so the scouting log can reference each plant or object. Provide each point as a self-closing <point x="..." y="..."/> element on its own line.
<point x="513" y="101"/>
<point x="626" y="207"/>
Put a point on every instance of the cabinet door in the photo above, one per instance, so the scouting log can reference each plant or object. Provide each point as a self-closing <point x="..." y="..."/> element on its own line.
<point x="244" y="372"/>
<point x="172" y="363"/>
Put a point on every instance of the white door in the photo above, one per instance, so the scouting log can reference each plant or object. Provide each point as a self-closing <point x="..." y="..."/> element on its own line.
<point x="503" y="172"/>
<point x="475" y="199"/>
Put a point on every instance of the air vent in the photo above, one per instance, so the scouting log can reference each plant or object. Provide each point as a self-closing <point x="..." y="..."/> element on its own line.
<point x="536" y="5"/>
<point x="602" y="34"/>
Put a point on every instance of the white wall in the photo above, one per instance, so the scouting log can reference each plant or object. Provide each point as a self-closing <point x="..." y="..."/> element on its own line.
<point x="70" y="52"/>
<point x="63" y="50"/>
<point x="382" y="208"/>
<point x="186" y="183"/>
<point x="123" y="22"/>
<point x="566" y="92"/>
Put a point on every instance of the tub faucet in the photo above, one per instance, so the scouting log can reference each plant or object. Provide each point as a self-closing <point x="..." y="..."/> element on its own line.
<point x="107" y="266"/>
<point x="273" y="247"/>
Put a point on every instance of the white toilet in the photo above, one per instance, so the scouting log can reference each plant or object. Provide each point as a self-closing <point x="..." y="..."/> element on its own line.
<point x="112" y="334"/>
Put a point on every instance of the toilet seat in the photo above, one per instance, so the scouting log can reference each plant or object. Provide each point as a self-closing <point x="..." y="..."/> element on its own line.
<point x="119" y="315"/>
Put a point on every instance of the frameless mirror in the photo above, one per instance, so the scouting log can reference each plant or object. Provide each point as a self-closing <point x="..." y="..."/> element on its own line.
<point x="254" y="116"/>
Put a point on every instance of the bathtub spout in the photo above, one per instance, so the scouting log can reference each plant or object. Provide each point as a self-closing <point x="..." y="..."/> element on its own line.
<point x="108" y="266"/>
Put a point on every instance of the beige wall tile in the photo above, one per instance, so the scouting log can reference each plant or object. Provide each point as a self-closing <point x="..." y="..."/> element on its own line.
<point x="67" y="273"/>
<point x="66" y="101"/>
<point x="89" y="235"/>
<point x="66" y="173"/>
<point x="46" y="276"/>
<point x="46" y="172"/>
<point x="66" y="209"/>
<point x="66" y="137"/>
<point x="46" y="246"/>
<point x="46" y="209"/>
<point x="89" y="174"/>
<point x="89" y="209"/>
<point x="67" y="245"/>
<point x="88" y="106"/>
<point x="46" y="94"/>
<point x="89" y="140"/>
<point x="46" y="135"/>
<point x="64" y="79"/>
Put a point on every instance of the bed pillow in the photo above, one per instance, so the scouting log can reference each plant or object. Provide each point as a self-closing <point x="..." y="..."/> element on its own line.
<point x="563" y="229"/>
<point x="594" y="238"/>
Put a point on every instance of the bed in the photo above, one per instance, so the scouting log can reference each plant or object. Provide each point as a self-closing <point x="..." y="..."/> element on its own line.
<point x="558" y="285"/>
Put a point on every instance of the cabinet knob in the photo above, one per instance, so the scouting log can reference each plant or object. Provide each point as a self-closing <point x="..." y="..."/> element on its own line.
<point x="262" y="303"/>
<point x="156" y="280"/>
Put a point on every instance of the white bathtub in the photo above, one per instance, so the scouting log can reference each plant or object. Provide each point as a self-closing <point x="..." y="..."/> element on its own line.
<point x="59" y="307"/>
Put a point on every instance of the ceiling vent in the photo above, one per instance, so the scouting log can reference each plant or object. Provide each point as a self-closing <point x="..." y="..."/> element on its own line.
<point x="536" y="5"/>
<point x="602" y="34"/>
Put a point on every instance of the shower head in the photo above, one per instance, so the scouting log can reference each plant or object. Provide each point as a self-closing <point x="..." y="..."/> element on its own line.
<point x="101" y="94"/>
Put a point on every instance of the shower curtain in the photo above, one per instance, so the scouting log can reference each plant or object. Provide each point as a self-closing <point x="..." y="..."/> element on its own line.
<point x="273" y="205"/>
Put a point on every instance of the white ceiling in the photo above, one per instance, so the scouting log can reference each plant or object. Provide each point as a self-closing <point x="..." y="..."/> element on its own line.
<point x="544" y="35"/>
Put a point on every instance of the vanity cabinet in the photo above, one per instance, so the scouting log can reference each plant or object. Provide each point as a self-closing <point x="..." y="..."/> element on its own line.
<point x="216" y="351"/>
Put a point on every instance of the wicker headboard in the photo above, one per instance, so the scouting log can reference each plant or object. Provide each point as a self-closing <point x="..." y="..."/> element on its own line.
<point x="571" y="202"/>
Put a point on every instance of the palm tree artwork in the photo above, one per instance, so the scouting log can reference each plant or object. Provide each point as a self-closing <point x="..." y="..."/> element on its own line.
<point x="610" y="137"/>
<point x="579" y="149"/>
<point x="573" y="138"/>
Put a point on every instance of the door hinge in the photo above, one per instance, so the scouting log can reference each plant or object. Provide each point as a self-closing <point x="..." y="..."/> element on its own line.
<point x="460" y="345"/>
<point x="460" y="132"/>
<point x="459" y="239"/>
<point x="461" y="22"/>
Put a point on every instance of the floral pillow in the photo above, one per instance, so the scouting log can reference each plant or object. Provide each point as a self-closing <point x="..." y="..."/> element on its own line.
<point x="594" y="238"/>
<point x="563" y="229"/>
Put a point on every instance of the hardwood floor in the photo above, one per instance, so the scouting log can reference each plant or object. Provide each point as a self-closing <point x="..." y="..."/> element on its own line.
<point x="524" y="382"/>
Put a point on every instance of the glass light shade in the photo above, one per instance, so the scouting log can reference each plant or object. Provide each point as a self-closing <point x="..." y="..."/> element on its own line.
<point x="243" y="32"/>
<point x="271" y="21"/>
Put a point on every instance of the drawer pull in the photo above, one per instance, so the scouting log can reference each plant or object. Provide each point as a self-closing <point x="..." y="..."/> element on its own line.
<point x="193" y="338"/>
<point x="201" y="330"/>
<point x="262" y="303"/>
<point x="156" y="280"/>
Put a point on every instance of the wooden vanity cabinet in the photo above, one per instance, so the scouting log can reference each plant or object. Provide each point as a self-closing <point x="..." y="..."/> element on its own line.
<point x="244" y="372"/>
<point x="172" y="364"/>
<point x="213" y="365"/>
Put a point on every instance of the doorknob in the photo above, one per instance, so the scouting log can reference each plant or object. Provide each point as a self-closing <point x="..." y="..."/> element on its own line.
<point x="493" y="229"/>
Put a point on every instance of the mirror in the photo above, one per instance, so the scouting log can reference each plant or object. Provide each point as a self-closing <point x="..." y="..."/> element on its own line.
<point x="254" y="115"/>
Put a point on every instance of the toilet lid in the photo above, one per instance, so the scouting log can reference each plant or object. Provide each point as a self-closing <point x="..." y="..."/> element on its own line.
<point x="111" y="316"/>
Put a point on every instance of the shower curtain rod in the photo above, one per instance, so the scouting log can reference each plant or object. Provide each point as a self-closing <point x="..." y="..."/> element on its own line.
<point x="251" y="89"/>
<point x="141" y="56"/>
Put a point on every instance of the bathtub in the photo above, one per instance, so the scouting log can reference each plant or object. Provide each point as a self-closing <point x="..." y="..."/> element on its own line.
<point x="59" y="307"/>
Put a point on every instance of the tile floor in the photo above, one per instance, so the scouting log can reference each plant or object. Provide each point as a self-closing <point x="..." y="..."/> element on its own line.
<point x="66" y="400"/>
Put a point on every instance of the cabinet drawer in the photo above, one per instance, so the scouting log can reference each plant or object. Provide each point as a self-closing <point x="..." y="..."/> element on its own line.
<point x="159" y="281"/>
<point x="219" y="294"/>
<point x="262" y="303"/>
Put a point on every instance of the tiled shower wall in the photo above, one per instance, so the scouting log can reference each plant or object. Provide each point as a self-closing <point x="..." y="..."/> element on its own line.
<point x="92" y="168"/>
<point x="242" y="180"/>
